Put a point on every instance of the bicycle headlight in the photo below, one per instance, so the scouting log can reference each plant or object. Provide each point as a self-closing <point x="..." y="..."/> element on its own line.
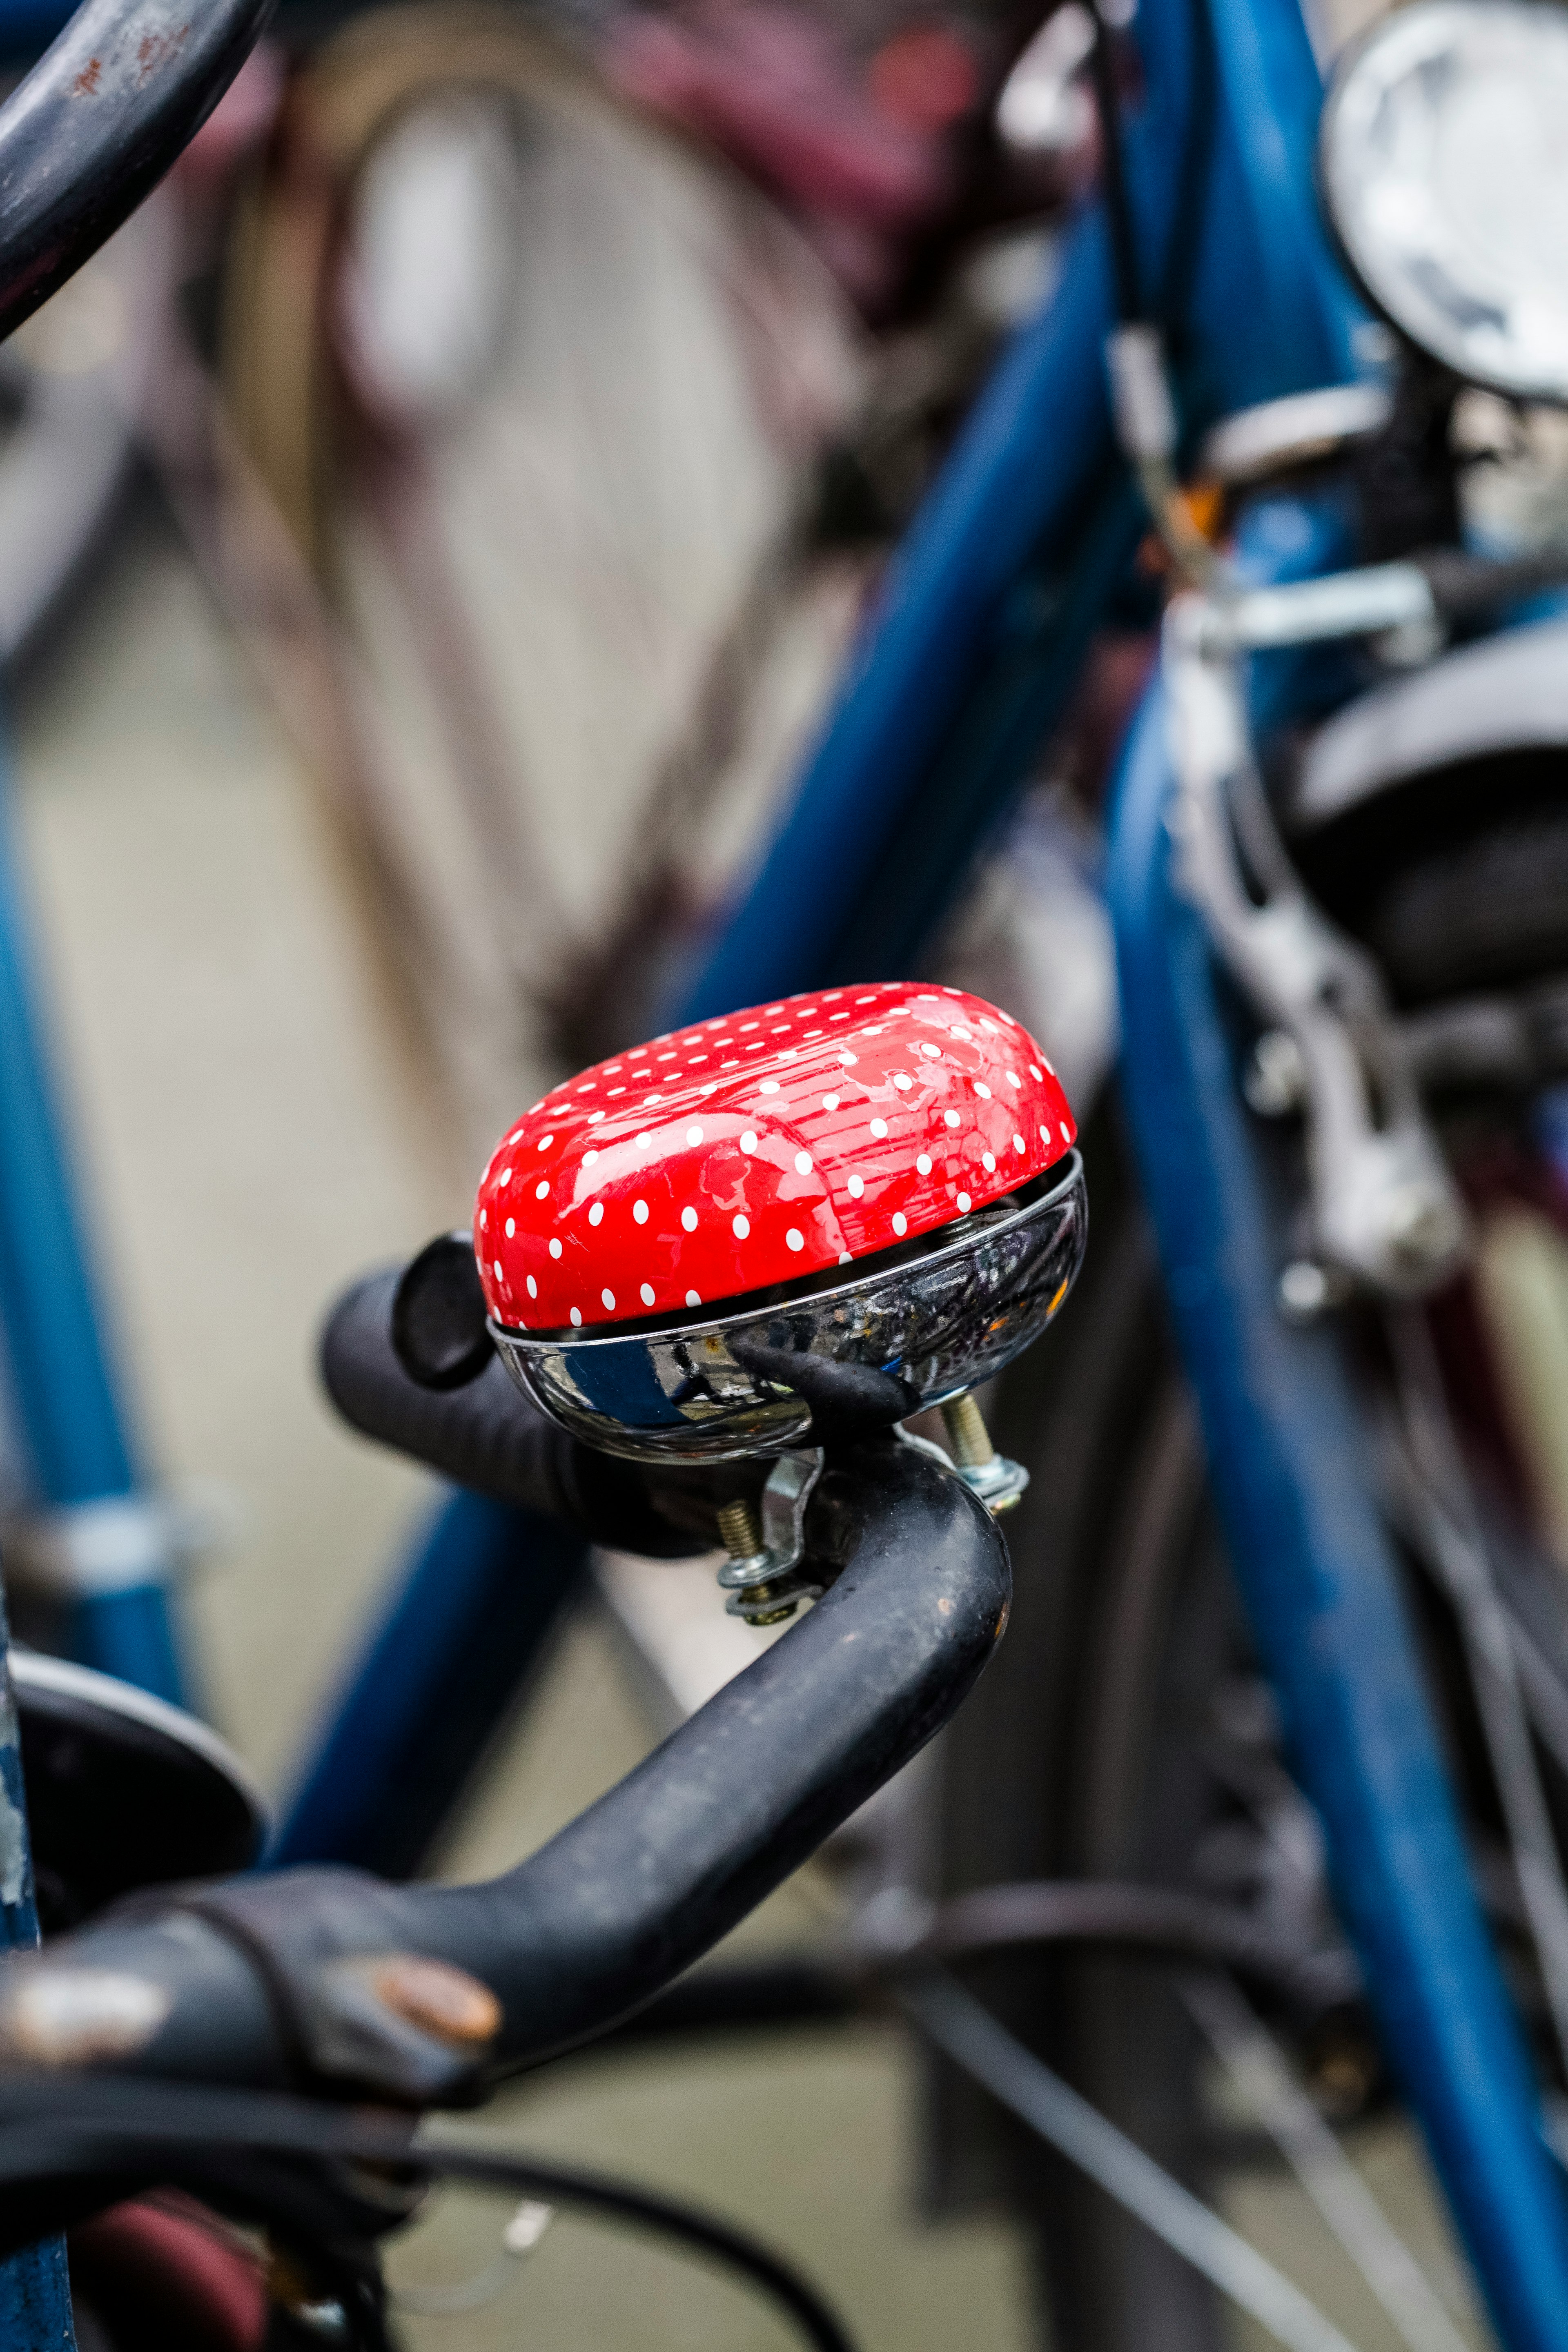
<point x="1443" y="156"/>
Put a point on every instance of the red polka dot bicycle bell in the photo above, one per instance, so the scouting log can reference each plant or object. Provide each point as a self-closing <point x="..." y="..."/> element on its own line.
<point x="750" y="1151"/>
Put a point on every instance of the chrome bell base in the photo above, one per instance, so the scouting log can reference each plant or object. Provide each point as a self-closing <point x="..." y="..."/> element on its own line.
<point x="828" y="1360"/>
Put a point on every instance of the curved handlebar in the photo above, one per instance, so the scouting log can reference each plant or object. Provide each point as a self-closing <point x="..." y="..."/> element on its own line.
<point x="284" y="1980"/>
<point x="96" y="124"/>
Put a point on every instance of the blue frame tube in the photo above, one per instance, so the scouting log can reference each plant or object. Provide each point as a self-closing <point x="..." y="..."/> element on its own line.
<point x="71" y="1420"/>
<point x="1290" y="1461"/>
<point x="482" y="1595"/>
<point x="1261" y="311"/>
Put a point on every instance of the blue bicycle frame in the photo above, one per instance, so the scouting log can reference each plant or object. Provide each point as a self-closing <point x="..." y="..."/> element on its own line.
<point x="983" y="623"/>
<point x="982" y="626"/>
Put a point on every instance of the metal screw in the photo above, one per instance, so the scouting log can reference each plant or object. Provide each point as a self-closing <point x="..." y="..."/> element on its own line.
<point x="741" y="1530"/>
<point x="745" y="1573"/>
<point x="998" y="1482"/>
<point x="968" y="1439"/>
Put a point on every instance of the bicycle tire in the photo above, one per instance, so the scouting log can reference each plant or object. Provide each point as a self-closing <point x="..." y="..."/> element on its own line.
<point x="1132" y="1711"/>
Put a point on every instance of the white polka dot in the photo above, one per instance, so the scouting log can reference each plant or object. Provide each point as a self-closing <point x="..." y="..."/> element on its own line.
<point x="769" y="1086"/>
<point x="590" y="1159"/>
<point x="830" y="1102"/>
<point x="544" y="1143"/>
<point x="555" y="1249"/>
<point x="749" y="1141"/>
<point x="642" y="1141"/>
<point x="609" y="1298"/>
<point x="594" y="1117"/>
<point x="988" y="1161"/>
<point x="951" y="1117"/>
<point x="878" y="1128"/>
<point x="990" y="1027"/>
<point x="1014" y="1079"/>
<point x="577" y="1317"/>
<point x="848" y="1059"/>
<point x="924" y="1164"/>
<point x="845" y="1259"/>
<point x="505" y="1176"/>
<point x="964" y="1204"/>
<point x="694" y="1298"/>
<point x="694" y="1135"/>
<point x="901" y="1223"/>
<point x="510" y="1227"/>
<point x="1034" y="1071"/>
<point x="689" y="1219"/>
<point x="595" y="1212"/>
<point x="902" y="1081"/>
<point x="1017" y="1143"/>
<point x="532" y="1287"/>
<point x="794" y="1239"/>
<point x="803" y="1163"/>
<point x="932" y="1053"/>
<point x="652" y="1095"/>
<point x="639" y="1212"/>
<point x="959" y="1031"/>
<point x="1066" y="1133"/>
<point x="646" y="1294"/>
<point x="981" y="1089"/>
<point x="857" y="1186"/>
<point x="1051" y="1069"/>
<point x="741" y="1227"/>
<point x="498" y="1269"/>
<point x="1044" y="1136"/>
<point x="484" y="1219"/>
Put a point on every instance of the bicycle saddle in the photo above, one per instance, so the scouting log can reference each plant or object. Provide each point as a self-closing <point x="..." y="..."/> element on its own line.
<point x="795" y="1225"/>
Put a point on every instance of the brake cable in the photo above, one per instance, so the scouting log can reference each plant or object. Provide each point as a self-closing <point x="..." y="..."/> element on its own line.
<point x="71" y="2130"/>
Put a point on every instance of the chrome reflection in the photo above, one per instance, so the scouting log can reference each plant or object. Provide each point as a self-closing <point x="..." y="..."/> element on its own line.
<point x="1445" y="166"/>
<point x="911" y="1328"/>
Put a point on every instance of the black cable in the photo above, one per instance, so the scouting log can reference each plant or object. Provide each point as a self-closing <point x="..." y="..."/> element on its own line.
<point x="78" y="2142"/>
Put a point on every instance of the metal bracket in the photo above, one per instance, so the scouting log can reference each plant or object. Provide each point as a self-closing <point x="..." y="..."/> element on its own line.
<point x="78" y="1550"/>
<point x="766" y="1585"/>
<point x="1385" y="1210"/>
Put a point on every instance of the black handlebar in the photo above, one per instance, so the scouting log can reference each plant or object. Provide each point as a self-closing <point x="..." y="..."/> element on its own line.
<point x="96" y="124"/>
<point x="280" y="1980"/>
<point x="485" y="1434"/>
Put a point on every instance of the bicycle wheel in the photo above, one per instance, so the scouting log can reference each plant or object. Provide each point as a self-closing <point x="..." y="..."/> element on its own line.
<point x="1129" y="1704"/>
<point x="541" y="393"/>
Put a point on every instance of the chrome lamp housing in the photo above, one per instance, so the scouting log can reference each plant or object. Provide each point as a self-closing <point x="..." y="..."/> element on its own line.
<point x="1444" y="163"/>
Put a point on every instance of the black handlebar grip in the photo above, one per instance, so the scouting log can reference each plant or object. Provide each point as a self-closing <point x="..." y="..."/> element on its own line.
<point x="97" y="123"/>
<point x="486" y="1435"/>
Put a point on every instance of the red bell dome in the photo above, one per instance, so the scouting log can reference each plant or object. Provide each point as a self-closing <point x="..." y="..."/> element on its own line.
<point x="724" y="1159"/>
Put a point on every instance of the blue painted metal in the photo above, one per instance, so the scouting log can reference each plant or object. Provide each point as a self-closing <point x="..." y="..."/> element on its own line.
<point x="35" y="2290"/>
<point x="483" y="1593"/>
<point x="1289" y="1460"/>
<point x="71" y="1418"/>
<point x="1219" y="169"/>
